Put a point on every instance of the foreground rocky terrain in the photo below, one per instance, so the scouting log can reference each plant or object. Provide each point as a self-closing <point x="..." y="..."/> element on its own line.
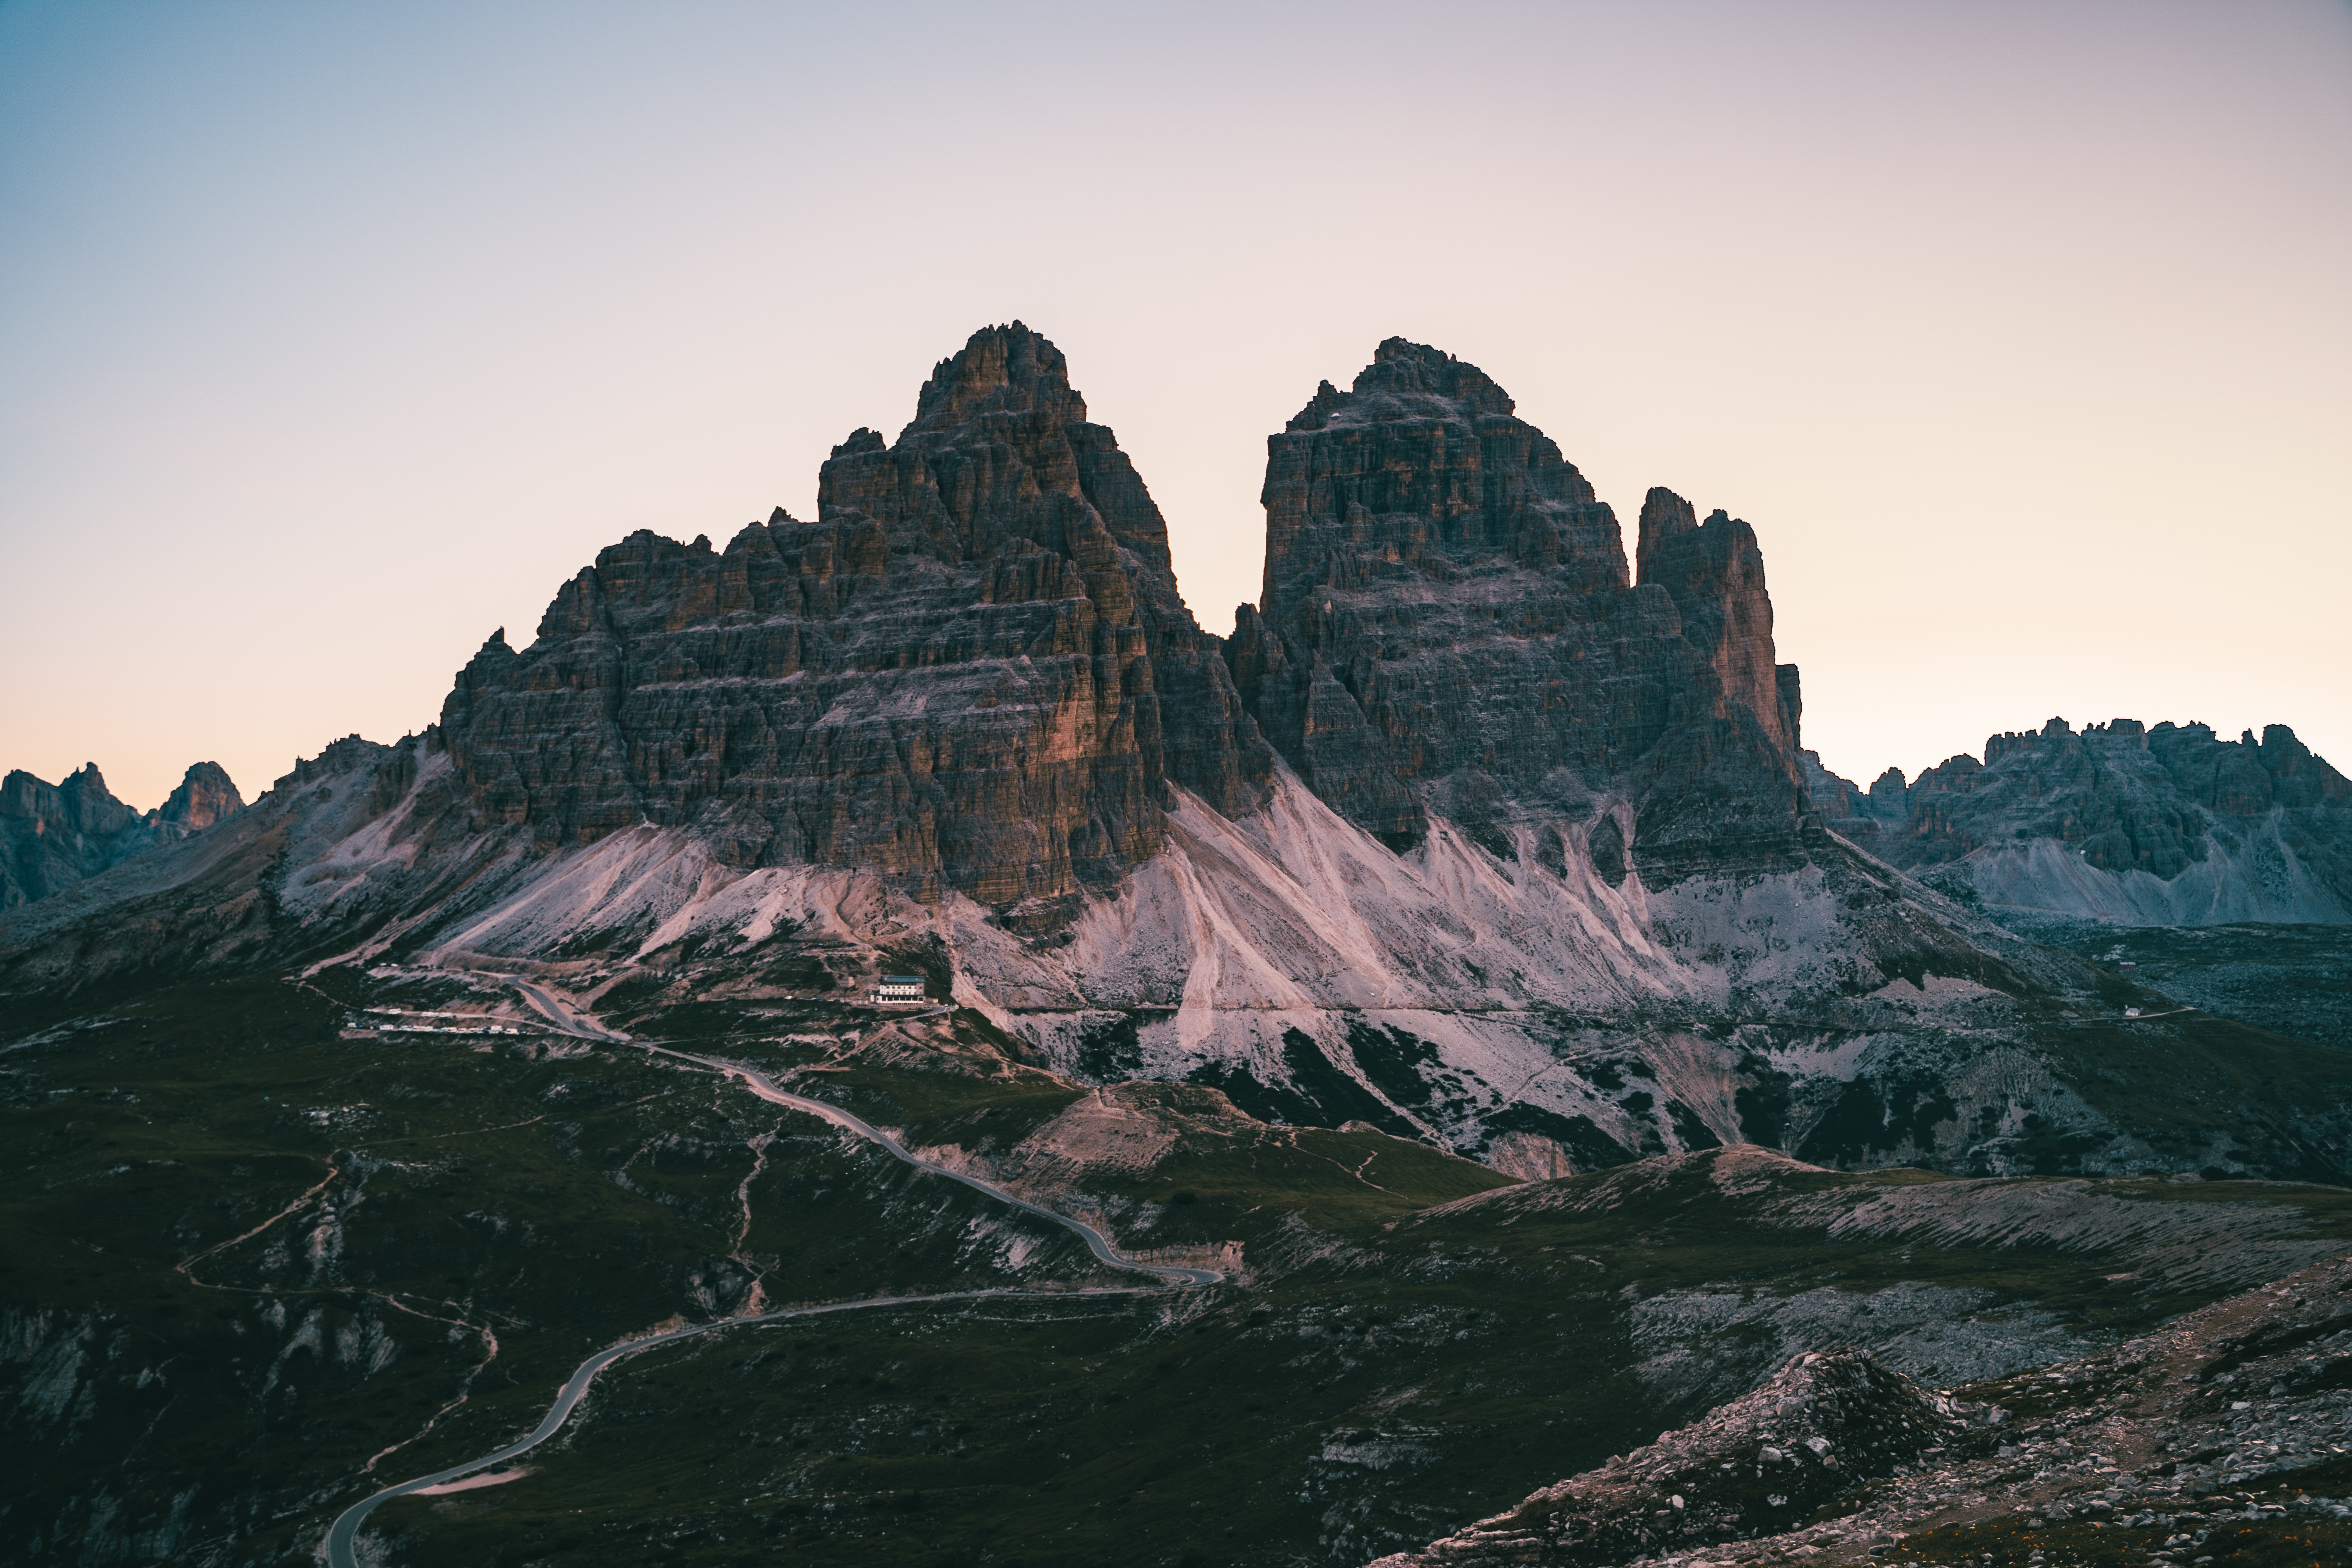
<point x="2221" y="1438"/>
<point x="275" y="1243"/>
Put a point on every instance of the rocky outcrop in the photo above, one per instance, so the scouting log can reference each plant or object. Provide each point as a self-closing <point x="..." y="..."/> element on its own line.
<point x="2169" y="826"/>
<point x="53" y="836"/>
<point x="1448" y="629"/>
<point x="1844" y="807"/>
<point x="359" y="838"/>
<point x="2220" y="1432"/>
<point x="206" y="794"/>
<point x="1811" y="1436"/>
<point x="972" y="670"/>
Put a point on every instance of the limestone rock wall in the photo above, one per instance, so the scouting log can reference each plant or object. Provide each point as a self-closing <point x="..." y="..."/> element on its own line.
<point x="972" y="669"/>
<point x="1448" y="626"/>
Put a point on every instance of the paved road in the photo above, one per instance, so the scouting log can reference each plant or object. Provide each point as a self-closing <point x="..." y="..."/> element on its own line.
<point x="564" y="1017"/>
<point x="1096" y="1242"/>
<point x="345" y="1529"/>
<point x="763" y="1086"/>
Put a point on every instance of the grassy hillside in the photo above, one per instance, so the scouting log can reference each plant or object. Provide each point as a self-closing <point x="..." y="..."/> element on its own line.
<point x="246" y="1253"/>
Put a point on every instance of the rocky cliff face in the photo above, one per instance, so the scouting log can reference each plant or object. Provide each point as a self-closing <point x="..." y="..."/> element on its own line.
<point x="2169" y="826"/>
<point x="972" y="670"/>
<point x="53" y="836"/>
<point x="1448" y="628"/>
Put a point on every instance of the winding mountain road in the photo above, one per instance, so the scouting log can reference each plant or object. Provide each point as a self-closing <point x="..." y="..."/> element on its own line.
<point x="345" y="1532"/>
<point x="761" y="1084"/>
<point x="342" y="1535"/>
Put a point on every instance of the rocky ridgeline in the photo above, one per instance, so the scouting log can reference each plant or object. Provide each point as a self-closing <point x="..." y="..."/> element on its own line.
<point x="52" y="836"/>
<point x="1810" y="1436"/>
<point x="2221" y="1437"/>
<point x="1448" y="628"/>
<point x="2155" y="826"/>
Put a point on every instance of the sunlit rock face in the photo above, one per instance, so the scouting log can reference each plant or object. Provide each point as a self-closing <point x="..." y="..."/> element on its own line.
<point x="1448" y="629"/>
<point x="205" y="795"/>
<point x="973" y="669"/>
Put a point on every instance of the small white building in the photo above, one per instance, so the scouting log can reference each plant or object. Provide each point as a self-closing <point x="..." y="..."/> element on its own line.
<point x="900" y="988"/>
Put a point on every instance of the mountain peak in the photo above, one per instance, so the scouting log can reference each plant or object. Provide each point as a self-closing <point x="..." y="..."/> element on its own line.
<point x="1407" y="379"/>
<point x="1423" y="544"/>
<point x="206" y="794"/>
<point x="1006" y="369"/>
<point x="971" y="671"/>
<point x="53" y="836"/>
<point x="2123" y="822"/>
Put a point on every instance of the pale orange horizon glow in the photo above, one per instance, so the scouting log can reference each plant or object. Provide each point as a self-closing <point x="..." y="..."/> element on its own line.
<point x="331" y="339"/>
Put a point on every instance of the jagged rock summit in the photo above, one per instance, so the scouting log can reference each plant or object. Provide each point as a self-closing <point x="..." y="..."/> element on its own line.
<point x="205" y="795"/>
<point x="53" y="836"/>
<point x="2120" y="822"/>
<point x="1448" y="626"/>
<point x="972" y="670"/>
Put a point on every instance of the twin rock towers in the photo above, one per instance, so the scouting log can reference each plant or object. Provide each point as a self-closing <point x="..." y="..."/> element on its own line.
<point x="972" y="670"/>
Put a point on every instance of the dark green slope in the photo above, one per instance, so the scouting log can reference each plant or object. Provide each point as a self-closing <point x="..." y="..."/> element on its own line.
<point x="1409" y="1341"/>
<point x="555" y="1204"/>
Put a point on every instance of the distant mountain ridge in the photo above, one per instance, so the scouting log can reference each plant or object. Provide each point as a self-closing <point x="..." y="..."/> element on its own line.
<point x="52" y="836"/>
<point x="2169" y="826"/>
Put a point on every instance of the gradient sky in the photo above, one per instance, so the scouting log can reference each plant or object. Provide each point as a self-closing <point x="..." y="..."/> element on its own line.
<point x="333" y="336"/>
